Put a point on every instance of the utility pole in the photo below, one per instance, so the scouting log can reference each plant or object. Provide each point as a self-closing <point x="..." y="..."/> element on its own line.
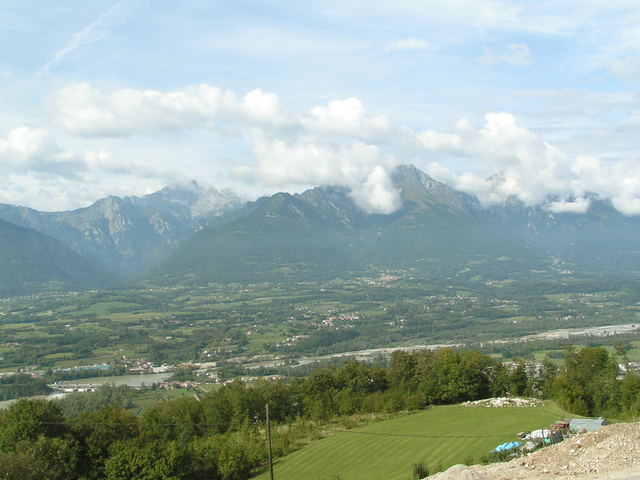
<point x="269" y="442"/>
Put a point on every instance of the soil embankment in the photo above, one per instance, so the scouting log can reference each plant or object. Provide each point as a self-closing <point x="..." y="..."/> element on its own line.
<point x="610" y="452"/>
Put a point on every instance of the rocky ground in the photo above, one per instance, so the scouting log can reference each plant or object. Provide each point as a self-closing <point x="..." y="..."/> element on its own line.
<point x="503" y="402"/>
<point x="611" y="452"/>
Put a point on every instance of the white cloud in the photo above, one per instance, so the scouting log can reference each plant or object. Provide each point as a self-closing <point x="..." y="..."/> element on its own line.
<point x="407" y="44"/>
<point x="85" y="111"/>
<point x="521" y="164"/>
<point x="515" y="54"/>
<point x="579" y="205"/>
<point x="360" y="167"/>
<point x="433" y="140"/>
<point x="33" y="152"/>
<point x="346" y="118"/>
<point x="377" y="194"/>
<point x="338" y="144"/>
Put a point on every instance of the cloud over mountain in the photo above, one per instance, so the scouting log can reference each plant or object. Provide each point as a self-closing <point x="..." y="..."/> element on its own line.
<point x="342" y="144"/>
<point x="522" y="165"/>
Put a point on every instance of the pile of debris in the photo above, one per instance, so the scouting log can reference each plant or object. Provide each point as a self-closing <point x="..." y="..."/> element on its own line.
<point x="605" y="451"/>
<point x="501" y="402"/>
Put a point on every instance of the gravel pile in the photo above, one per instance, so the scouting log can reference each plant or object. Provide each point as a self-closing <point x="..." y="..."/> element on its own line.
<point x="501" y="402"/>
<point x="612" y="451"/>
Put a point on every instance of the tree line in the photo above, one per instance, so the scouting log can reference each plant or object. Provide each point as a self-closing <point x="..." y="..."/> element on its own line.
<point x="222" y="434"/>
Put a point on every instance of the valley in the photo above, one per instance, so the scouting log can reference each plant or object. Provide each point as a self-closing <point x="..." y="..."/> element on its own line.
<point x="198" y="310"/>
<point x="289" y="328"/>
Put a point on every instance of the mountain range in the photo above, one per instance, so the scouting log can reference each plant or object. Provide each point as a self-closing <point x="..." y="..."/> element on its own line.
<point x="191" y="234"/>
<point x="124" y="235"/>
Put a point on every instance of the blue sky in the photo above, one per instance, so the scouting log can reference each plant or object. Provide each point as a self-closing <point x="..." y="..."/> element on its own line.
<point x="537" y="100"/>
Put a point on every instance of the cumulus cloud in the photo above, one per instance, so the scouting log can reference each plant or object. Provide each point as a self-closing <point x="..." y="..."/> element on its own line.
<point x="514" y="54"/>
<point x="521" y="164"/>
<point x="347" y="118"/>
<point x="405" y="44"/>
<point x="336" y="144"/>
<point x="579" y="205"/>
<point x="377" y="194"/>
<point x="86" y="111"/>
<point x="361" y="167"/>
<point x="33" y="152"/>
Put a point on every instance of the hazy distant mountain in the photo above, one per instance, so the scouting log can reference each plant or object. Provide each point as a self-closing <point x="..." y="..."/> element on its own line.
<point x="283" y="238"/>
<point x="125" y="235"/>
<point x="31" y="262"/>
<point x="601" y="239"/>
<point x="322" y="234"/>
<point x="194" y="235"/>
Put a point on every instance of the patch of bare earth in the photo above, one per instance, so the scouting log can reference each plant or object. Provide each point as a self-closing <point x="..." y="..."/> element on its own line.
<point x="610" y="452"/>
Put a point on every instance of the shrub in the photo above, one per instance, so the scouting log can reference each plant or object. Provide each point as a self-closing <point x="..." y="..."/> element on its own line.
<point x="420" y="470"/>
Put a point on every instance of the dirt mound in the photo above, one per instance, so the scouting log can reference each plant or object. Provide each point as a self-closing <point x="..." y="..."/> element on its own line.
<point x="460" y="472"/>
<point x="603" y="453"/>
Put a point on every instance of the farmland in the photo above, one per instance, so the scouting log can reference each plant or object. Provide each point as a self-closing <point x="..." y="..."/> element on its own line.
<point x="268" y="324"/>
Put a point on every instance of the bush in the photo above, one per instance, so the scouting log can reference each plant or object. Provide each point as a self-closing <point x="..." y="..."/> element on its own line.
<point x="420" y="470"/>
<point x="496" y="457"/>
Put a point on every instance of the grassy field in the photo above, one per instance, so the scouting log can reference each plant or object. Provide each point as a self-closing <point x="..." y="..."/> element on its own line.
<point x="387" y="450"/>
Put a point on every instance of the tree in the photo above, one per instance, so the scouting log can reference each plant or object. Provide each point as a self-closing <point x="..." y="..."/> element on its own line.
<point x="97" y="431"/>
<point x="28" y="420"/>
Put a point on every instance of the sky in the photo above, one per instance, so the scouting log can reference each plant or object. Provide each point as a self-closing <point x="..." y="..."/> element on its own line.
<point x="537" y="100"/>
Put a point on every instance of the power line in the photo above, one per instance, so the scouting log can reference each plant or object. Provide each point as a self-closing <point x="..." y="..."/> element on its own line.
<point x="165" y="424"/>
<point x="410" y="435"/>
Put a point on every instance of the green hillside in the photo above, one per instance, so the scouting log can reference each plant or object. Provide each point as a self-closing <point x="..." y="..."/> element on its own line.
<point x="31" y="262"/>
<point x="284" y="238"/>
<point x="387" y="450"/>
<point x="321" y="235"/>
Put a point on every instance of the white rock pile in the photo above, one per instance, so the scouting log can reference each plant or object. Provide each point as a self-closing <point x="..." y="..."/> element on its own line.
<point x="502" y="402"/>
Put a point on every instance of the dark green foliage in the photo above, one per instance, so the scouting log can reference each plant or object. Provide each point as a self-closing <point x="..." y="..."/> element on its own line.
<point x="630" y="394"/>
<point x="96" y="433"/>
<point x="588" y="384"/>
<point x="136" y="459"/>
<point x="28" y="420"/>
<point x="495" y="457"/>
<point x="76" y="403"/>
<point x="420" y="470"/>
<point x="41" y="459"/>
<point x="17" y="386"/>
<point x="441" y="377"/>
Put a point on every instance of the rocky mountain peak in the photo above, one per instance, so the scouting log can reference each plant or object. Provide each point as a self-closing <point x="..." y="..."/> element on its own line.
<point x="420" y="188"/>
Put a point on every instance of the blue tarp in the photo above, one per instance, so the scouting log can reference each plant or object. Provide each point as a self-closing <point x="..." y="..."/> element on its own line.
<point x="506" y="446"/>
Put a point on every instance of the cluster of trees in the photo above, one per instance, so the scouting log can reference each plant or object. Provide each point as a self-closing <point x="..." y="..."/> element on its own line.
<point x="222" y="435"/>
<point x="172" y="441"/>
<point x="17" y="386"/>
<point x="589" y="383"/>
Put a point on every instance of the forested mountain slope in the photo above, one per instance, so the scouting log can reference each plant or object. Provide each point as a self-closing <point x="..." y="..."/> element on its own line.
<point x="31" y="262"/>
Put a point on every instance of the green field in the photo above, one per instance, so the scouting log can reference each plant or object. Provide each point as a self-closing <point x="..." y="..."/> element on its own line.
<point x="387" y="450"/>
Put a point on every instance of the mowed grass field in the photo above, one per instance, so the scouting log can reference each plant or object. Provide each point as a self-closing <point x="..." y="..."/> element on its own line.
<point x="387" y="450"/>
